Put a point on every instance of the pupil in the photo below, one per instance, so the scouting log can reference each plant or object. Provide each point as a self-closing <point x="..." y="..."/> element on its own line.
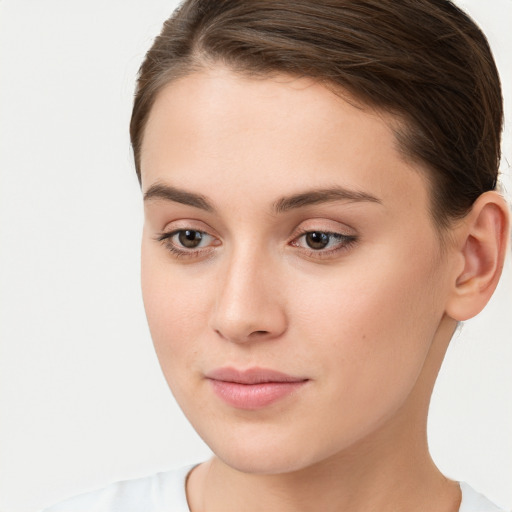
<point x="189" y="238"/>
<point x="317" y="240"/>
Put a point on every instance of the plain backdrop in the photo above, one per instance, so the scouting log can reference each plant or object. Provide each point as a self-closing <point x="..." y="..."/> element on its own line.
<point x="82" y="398"/>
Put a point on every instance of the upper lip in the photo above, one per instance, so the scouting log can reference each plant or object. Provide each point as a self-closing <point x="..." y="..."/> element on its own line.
<point x="255" y="375"/>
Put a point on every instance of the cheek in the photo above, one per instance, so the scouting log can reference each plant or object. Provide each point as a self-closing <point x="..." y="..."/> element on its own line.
<point x="176" y="308"/>
<point x="371" y="328"/>
<point x="372" y="304"/>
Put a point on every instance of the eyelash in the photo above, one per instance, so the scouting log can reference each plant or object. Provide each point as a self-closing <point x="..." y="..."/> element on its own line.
<point x="346" y="241"/>
<point x="166" y="240"/>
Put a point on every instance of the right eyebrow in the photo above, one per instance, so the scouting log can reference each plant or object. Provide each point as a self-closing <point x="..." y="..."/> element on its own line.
<point x="176" y="195"/>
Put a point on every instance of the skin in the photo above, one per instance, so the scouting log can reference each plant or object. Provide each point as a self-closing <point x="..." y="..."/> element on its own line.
<point x="366" y="320"/>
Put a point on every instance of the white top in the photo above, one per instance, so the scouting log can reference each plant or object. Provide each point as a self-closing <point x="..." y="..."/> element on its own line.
<point x="165" y="492"/>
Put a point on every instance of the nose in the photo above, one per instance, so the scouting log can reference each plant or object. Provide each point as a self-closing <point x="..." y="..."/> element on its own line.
<point x="249" y="302"/>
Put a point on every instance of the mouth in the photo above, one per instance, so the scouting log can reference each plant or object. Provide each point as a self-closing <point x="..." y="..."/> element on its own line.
<point x="253" y="388"/>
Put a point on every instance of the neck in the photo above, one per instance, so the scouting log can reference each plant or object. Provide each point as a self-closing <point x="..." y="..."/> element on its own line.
<point x="369" y="477"/>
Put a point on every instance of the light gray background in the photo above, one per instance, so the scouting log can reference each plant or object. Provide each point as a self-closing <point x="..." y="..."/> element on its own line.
<point x="82" y="399"/>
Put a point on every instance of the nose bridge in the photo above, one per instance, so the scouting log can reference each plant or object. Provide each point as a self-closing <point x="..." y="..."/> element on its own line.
<point x="248" y="302"/>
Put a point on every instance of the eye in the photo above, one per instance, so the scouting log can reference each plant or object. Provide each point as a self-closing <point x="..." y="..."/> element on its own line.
<point x="323" y="243"/>
<point x="189" y="238"/>
<point x="188" y="242"/>
<point x="317" y="240"/>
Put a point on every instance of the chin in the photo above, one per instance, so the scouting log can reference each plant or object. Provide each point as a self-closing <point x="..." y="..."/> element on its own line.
<point x="267" y="451"/>
<point x="268" y="461"/>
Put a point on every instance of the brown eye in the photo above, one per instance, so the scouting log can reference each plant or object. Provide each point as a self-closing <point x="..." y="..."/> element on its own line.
<point x="189" y="238"/>
<point x="188" y="243"/>
<point x="317" y="240"/>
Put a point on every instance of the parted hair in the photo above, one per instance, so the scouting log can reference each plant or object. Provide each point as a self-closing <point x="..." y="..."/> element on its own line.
<point x="425" y="62"/>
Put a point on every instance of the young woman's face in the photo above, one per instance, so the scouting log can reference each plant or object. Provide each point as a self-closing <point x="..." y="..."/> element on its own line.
<point x="291" y="272"/>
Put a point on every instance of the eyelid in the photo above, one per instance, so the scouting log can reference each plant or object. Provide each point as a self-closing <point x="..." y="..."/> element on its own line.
<point x="333" y="253"/>
<point x="347" y="238"/>
<point x="188" y="223"/>
<point x="166" y="236"/>
<point x="325" y="225"/>
<point x="341" y="236"/>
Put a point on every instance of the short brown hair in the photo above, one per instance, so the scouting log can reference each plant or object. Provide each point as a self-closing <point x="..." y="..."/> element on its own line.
<point x="424" y="61"/>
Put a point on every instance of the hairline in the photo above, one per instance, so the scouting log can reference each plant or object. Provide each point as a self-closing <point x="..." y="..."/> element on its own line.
<point x="200" y="61"/>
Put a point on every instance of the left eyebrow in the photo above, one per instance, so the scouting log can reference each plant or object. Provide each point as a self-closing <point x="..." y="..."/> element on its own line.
<point x="318" y="196"/>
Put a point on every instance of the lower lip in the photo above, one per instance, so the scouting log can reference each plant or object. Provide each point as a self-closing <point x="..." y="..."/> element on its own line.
<point x="254" y="396"/>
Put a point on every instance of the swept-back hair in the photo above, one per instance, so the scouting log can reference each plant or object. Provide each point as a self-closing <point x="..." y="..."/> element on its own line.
<point x="424" y="61"/>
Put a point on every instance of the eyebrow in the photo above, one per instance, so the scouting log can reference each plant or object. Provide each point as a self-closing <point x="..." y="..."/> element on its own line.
<point x="318" y="196"/>
<point x="168" y="193"/>
<point x="284" y="204"/>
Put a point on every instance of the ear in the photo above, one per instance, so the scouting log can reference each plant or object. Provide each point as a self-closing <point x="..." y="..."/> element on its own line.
<point x="482" y="245"/>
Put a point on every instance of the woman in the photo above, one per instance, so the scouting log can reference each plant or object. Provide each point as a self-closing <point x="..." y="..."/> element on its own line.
<point x="320" y="213"/>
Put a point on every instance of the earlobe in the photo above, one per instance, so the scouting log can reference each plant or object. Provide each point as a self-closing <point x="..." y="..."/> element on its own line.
<point x="483" y="246"/>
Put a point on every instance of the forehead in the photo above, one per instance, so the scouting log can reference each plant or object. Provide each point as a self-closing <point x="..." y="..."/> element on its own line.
<point x="262" y="135"/>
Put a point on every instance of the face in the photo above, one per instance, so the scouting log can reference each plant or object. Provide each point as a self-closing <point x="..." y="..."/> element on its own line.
<point x="291" y="271"/>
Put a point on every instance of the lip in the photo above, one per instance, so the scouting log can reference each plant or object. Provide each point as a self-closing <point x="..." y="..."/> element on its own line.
<point x="253" y="388"/>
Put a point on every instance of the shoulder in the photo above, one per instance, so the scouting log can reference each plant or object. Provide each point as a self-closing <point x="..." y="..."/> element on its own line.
<point x="159" y="492"/>
<point x="473" y="501"/>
